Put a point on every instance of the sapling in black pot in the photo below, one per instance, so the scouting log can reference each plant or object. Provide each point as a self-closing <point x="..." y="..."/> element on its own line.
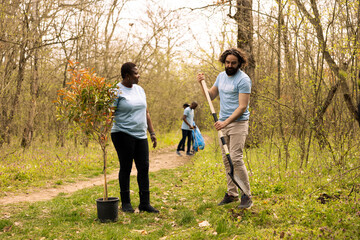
<point x="87" y="101"/>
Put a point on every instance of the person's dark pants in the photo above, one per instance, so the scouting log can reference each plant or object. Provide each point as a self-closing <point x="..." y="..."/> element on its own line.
<point x="128" y="149"/>
<point x="185" y="134"/>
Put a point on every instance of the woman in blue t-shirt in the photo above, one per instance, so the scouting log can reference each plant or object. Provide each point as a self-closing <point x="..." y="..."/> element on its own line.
<point x="129" y="136"/>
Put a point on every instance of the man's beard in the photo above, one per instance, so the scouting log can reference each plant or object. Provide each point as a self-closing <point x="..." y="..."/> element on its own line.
<point x="231" y="71"/>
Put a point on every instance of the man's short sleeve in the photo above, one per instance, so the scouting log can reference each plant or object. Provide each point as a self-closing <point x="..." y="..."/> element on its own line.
<point x="244" y="85"/>
<point x="187" y="112"/>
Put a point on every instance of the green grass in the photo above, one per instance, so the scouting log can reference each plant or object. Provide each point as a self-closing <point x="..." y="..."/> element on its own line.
<point x="286" y="204"/>
<point x="43" y="165"/>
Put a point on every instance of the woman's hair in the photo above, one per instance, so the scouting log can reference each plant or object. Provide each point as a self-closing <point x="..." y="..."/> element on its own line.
<point x="127" y="68"/>
<point x="240" y="54"/>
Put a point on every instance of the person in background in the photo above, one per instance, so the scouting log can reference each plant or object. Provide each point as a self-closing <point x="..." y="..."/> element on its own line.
<point x="129" y="136"/>
<point x="233" y="86"/>
<point x="186" y="128"/>
<point x="182" y="147"/>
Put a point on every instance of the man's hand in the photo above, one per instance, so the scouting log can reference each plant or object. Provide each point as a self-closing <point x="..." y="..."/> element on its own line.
<point x="200" y="77"/>
<point x="220" y="125"/>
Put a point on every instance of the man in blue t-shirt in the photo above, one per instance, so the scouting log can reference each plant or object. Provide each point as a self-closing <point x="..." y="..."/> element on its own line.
<point x="186" y="128"/>
<point x="233" y="86"/>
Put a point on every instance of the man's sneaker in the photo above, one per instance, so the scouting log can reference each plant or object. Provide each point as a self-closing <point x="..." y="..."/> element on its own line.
<point x="178" y="153"/>
<point x="228" y="199"/>
<point x="245" y="203"/>
<point x="189" y="154"/>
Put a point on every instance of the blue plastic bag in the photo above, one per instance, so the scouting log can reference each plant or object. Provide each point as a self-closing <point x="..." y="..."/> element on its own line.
<point x="198" y="140"/>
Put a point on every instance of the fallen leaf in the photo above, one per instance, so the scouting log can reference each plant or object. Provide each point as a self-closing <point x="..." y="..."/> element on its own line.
<point x="204" y="224"/>
<point x="45" y="211"/>
<point x="142" y="232"/>
<point x="7" y="228"/>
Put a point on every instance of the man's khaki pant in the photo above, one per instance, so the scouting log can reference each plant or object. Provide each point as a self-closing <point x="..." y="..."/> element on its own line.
<point x="235" y="135"/>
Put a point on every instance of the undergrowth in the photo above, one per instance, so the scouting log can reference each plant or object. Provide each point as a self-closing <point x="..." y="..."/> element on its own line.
<point x="317" y="202"/>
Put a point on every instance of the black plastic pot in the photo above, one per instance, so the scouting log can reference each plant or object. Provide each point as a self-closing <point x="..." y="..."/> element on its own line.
<point x="107" y="211"/>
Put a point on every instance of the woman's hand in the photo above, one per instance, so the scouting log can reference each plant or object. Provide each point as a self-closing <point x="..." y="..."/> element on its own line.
<point x="153" y="140"/>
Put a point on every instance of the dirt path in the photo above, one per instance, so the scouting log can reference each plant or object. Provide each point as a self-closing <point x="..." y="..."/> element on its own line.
<point x="161" y="159"/>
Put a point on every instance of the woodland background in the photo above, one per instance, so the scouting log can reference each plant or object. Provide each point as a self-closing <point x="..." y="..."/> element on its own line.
<point x="302" y="152"/>
<point x="304" y="64"/>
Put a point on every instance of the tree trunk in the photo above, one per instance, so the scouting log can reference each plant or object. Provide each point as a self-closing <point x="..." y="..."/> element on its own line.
<point x="15" y="102"/>
<point x="28" y="133"/>
<point x="278" y="95"/>
<point x="9" y="67"/>
<point x="244" y="20"/>
<point x="59" y="125"/>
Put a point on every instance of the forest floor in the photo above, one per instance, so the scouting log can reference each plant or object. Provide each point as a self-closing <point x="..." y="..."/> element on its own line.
<point x="159" y="159"/>
<point x="310" y="203"/>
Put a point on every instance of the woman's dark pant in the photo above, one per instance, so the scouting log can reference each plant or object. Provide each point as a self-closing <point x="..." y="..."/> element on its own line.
<point x="185" y="133"/>
<point x="128" y="149"/>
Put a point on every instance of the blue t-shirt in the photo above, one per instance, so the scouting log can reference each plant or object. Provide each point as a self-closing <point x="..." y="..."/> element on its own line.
<point x="189" y="113"/>
<point x="130" y="113"/>
<point x="229" y="88"/>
